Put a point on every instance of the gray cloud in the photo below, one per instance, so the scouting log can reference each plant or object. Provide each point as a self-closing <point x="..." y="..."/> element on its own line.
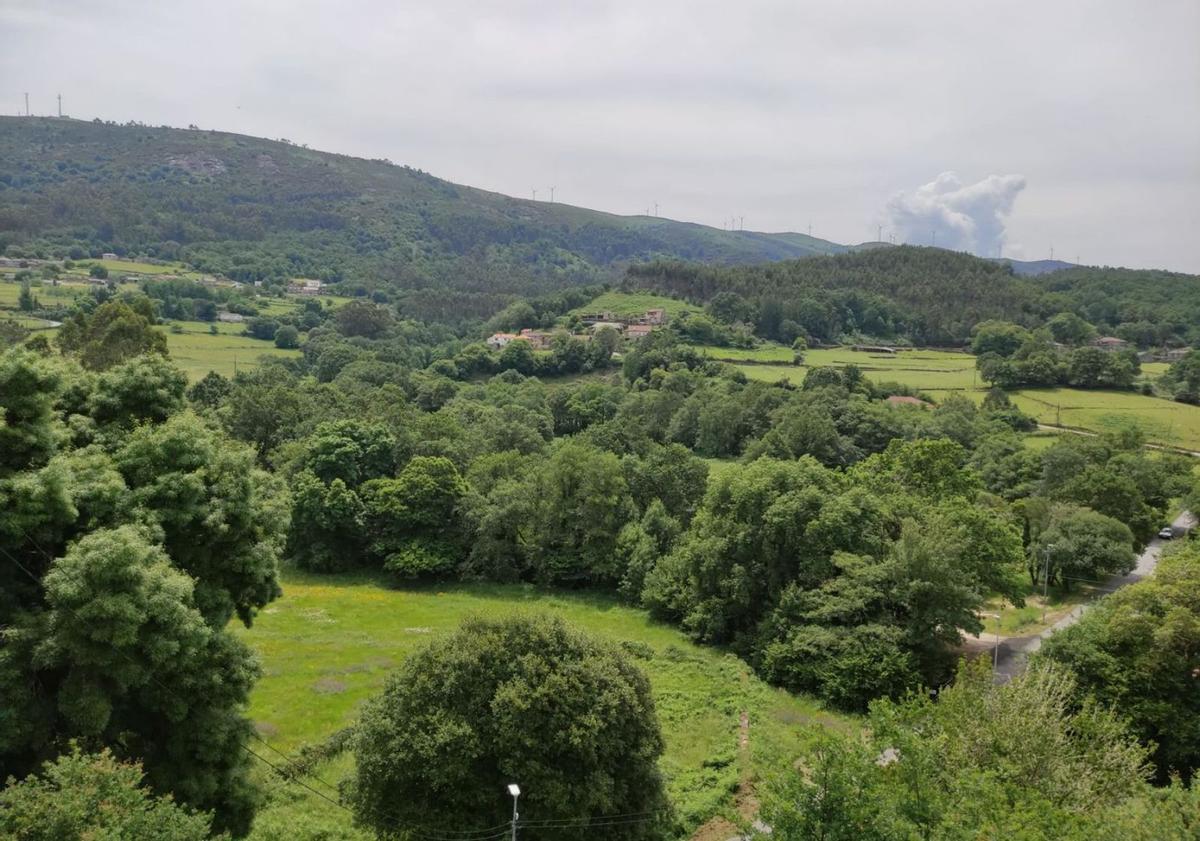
<point x="969" y="217"/>
<point x="787" y="113"/>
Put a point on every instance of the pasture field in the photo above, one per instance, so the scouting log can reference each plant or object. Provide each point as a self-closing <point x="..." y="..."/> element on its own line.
<point x="635" y="303"/>
<point x="134" y="267"/>
<point x="1163" y="421"/>
<point x="765" y="354"/>
<point x="330" y="642"/>
<point x="197" y="351"/>
<point x="942" y="373"/>
<point x="933" y="370"/>
<point x="64" y="293"/>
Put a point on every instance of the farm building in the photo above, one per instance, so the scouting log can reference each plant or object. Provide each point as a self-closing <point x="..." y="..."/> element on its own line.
<point x="1111" y="343"/>
<point x="638" y="331"/>
<point x="305" y="286"/>
<point x="539" y="340"/>
<point x="905" y="400"/>
<point x="499" y="340"/>
<point x="231" y="317"/>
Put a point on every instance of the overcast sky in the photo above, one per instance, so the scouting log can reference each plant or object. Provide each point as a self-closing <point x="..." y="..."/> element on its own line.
<point x="1072" y="125"/>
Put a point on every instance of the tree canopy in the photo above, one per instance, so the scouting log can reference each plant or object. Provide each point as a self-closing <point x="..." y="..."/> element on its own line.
<point x="526" y="700"/>
<point x="123" y="555"/>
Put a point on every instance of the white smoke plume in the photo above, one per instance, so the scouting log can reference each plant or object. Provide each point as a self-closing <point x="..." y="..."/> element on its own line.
<point x="950" y="215"/>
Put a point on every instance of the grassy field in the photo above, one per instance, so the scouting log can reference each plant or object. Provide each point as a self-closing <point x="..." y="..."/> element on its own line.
<point x="120" y="267"/>
<point x="765" y="354"/>
<point x="330" y="642"/>
<point x="197" y="351"/>
<point x="47" y="295"/>
<point x="1163" y="421"/>
<point x="922" y="369"/>
<point x="941" y="373"/>
<point x="634" y="303"/>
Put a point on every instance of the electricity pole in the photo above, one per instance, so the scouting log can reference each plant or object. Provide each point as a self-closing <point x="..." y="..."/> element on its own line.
<point x="1045" y="583"/>
<point x="996" y="649"/>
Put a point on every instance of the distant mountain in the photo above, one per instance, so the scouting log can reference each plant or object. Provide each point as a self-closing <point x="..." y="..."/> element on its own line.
<point x="257" y="209"/>
<point x="1028" y="268"/>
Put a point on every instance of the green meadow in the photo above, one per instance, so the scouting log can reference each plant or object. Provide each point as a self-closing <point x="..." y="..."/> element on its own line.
<point x="921" y="369"/>
<point x="331" y="641"/>
<point x="1163" y="421"/>
<point x="942" y="373"/>
<point x="197" y="351"/>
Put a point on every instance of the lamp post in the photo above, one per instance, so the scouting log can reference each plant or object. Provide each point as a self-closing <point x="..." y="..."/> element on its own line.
<point x="515" y="791"/>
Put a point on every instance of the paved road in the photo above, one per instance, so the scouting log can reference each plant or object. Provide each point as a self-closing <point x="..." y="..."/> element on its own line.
<point x="1013" y="654"/>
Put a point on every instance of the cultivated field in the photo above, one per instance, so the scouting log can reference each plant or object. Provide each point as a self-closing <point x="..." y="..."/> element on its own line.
<point x="197" y="351"/>
<point x="329" y="643"/>
<point x="1163" y="421"/>
<point x="941" y="373"/>
<point x="923" y="369"/>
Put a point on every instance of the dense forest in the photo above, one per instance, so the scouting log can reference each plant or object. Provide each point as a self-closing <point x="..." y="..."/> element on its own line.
<point x="929" y="296"/>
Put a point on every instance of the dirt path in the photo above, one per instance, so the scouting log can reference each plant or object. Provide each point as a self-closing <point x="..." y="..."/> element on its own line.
<point x="745" y="801"/>
<point x="1074" y="430"/>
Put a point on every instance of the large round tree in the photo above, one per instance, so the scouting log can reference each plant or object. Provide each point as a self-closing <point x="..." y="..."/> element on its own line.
<point x="131" y="533"/>
<point x="524" y="700"/>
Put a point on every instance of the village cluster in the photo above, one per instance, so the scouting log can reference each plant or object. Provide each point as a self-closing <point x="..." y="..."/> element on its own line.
<point x="630" y="326"/>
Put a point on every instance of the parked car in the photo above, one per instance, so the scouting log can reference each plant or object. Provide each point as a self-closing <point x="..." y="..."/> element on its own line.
<point x="1166" y="532"/>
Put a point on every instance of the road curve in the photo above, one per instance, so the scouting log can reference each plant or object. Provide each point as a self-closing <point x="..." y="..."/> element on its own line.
<point x="1011" y="656"/>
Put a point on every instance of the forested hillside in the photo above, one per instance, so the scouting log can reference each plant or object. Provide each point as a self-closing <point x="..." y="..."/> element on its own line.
<point x="930" y="296"/>
<point x="256" y="209"/>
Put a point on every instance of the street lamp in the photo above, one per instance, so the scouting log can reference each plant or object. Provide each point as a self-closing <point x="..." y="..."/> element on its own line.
<point x="515" y="791"/>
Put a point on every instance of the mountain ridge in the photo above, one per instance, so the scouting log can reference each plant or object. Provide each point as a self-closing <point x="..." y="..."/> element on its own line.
<point x="194" y="194"/>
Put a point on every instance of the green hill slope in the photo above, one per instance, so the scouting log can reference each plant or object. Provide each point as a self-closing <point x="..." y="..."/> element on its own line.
<point x="257" y="209"/>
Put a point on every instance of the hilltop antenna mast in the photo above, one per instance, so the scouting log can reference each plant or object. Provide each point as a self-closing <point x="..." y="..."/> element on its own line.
<point x="552" y="195"/>
<point x="60" y="105"/>
<point x="741" y="223"/>
<point x="534" y="193"/>
<point x="26" y="104"/>
<point x="1051" y="252"/>
<point x="810" y="229"/>
<point x="879" y="236"/>
<point x="656" y="208"/>
<point x="934" y="242"/>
